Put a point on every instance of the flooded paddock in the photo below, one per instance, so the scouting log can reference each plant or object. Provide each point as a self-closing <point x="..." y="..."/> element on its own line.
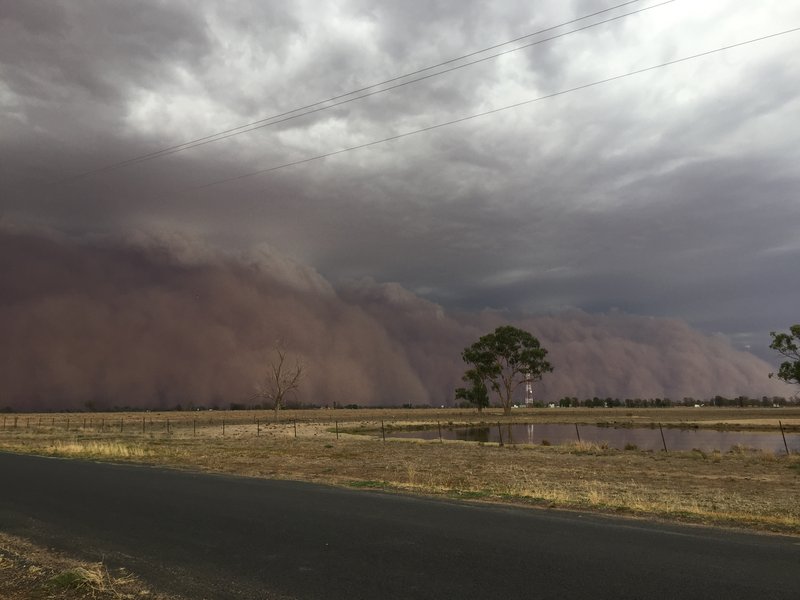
<point x="643" y="438"/>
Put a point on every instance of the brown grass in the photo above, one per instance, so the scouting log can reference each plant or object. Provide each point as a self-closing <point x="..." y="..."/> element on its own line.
<point x="743" y="488"/>
<point x="30" y="571"/>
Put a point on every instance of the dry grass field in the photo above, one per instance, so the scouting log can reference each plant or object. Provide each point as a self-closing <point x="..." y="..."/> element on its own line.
<point x="750" y="489"/>
<point x="742" y="488"/>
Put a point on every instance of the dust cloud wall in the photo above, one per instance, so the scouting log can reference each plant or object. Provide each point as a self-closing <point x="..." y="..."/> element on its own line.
<point x="157" y="322"/>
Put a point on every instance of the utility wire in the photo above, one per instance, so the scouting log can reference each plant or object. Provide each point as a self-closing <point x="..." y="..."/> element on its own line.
<point x="318" y="106"/>
<point x="291" y="117"/>
<point x="494" y="111"/>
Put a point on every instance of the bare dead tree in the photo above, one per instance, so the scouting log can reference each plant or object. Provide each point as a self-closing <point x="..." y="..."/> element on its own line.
<point x="281" y="379"/>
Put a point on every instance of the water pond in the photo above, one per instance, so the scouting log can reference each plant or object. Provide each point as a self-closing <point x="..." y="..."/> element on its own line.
<point x="644" y="438"/>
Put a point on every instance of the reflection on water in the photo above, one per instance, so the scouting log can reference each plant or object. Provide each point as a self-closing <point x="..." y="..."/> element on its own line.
<point x="644" y="438"/>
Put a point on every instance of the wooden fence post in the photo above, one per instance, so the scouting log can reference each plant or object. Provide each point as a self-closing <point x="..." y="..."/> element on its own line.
<point x="785" y="445"/>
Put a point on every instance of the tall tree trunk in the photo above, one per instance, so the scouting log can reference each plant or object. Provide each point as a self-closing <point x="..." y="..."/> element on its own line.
<point x="506" y="398"/>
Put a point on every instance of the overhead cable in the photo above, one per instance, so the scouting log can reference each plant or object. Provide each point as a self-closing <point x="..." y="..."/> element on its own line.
<point x="495" y="110"/>
<point x="340" y="99"/>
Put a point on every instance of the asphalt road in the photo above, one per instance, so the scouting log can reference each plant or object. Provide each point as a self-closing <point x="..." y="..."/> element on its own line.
<point x="211" y="536"/>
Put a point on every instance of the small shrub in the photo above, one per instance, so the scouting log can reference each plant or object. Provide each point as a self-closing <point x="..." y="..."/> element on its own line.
<point x="630" y="446"/>
<point x="546" y="443"/>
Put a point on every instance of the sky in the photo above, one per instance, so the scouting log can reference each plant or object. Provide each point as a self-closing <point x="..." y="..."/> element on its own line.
<point x="671" y="193"/>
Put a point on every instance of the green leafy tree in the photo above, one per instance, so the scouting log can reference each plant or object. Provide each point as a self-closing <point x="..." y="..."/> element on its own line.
<point x="788" y="346"/>
<point x="506" y="359"/>
<point x="476" y="393"/>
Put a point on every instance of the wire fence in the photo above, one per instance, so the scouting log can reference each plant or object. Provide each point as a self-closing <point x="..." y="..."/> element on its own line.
<point x="651" y="437"/>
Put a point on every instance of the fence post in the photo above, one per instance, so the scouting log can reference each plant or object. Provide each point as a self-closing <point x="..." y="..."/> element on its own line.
<point x="500" y="433"/>
<point x="143" y="425"/>
<point x="785" y="445"/>
<point x="383" y="431"/>
<point x="167" y="425"/>
<point x="337" y="429"/>
<point x="194" y="427"/>
<point x="578" y="433"/>
<point x="120" y="424"/>
<point x="295" y="429"/>
<point x="258" y="428"/>
<point x="440" y="432"/>
<point x="223" y="426"/>
<point x="67" y="428"/>
<point x="663" y="441"/>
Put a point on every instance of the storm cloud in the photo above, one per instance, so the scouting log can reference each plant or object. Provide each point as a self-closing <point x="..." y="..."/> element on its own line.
<point x="670" y="194"/>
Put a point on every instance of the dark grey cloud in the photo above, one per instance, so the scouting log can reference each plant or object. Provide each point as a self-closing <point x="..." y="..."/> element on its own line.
<point x="64" y="56"/>
<point x="673" y="193"/>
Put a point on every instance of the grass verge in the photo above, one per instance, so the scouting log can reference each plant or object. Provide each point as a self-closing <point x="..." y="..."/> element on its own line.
<point x="28" y="572"/>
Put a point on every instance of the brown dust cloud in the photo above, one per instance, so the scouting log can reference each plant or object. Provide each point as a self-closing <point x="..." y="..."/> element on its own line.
<point x="156" y="323"/>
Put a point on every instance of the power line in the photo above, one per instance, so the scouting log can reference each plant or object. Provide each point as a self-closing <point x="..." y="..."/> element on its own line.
<point x="493" y="111"/>
<point x="338" y="99"/>
<point x="291" y="117"/>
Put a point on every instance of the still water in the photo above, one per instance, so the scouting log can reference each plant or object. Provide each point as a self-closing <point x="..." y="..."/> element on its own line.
<point x="643" y="438"/>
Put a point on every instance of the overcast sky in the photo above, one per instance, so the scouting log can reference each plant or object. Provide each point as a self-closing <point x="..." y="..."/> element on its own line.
<point x="674" y="192"/>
